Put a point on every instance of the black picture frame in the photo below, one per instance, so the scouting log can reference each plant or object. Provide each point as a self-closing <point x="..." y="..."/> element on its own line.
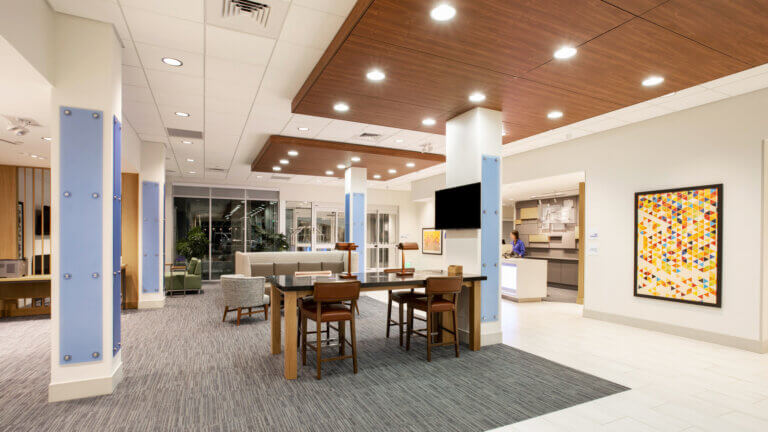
<point x="422" y="241"/>
<point x="719" y="233"/>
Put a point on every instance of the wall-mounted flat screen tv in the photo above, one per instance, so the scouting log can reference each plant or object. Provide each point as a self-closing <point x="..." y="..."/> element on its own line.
<point x="458" y="207"/>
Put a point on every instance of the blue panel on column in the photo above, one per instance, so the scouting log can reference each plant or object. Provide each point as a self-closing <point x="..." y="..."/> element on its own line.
<point x="358" y="228"/>
<point x="150" y="264"/>
<point x="347" y="218"/>
<point x="490" y="237"/>
<point x="80" y="235"/>
<point x="116" y="233"/>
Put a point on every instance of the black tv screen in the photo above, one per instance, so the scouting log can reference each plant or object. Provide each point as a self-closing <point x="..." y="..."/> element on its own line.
<point x="458" y="207"/>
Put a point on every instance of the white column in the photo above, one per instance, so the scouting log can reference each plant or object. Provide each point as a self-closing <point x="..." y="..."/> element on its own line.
<point x="87" y="75"/>
<point x="152" y="170"/>
<point x="355" y="186"/>
<point x="470" y="137"/>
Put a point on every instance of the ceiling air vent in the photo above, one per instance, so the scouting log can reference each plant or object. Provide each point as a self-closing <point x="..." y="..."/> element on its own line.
<point x="183" y="133"/>
<point x="367" y="136"/>
<point x="216" y="170"/>
<point x="259" y="12"/>
<point x="278" y="177"/>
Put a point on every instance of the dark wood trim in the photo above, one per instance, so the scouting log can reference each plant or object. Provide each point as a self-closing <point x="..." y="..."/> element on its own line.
<point x="354" y="17"/>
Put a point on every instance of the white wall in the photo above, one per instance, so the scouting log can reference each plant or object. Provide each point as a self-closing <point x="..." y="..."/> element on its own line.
<point x="33" y="35"/>
<point x="130" y="157"/>
<point x="715" y="143"/>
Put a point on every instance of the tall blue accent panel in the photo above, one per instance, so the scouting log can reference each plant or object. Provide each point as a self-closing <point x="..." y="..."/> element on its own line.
<point x="80" y="239"/>
<point x="116" y="233"/>
<point x="358" y="228"/>
<point x="489" y="237"/>
<point x="347" y="216"/>
<point x="150" y="231"/>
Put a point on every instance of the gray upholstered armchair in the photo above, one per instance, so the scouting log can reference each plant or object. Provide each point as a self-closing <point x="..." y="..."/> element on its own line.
<point x="244" y="293"/>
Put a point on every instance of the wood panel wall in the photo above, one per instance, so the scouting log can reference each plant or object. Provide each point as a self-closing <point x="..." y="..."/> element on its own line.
<point x="8" y="201"/>
<point x="130" y="238"/>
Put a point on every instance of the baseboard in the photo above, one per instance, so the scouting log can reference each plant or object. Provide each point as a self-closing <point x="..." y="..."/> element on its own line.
<point x="519" y="300"/>
<point x="85" y="388"/>
<point x="485" y="339"/>
<point x="701" y="335"/>
<point x="151" y="304"/>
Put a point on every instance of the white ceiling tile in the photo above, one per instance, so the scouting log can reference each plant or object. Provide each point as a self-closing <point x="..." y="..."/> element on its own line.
<point x="226" y="105"/>
<point x="238" y="46"/>
<point x="143" y="117"/>
<point x="99" y="10"/>
<point x="745" y="85"/>
<point x="137" y="94"/>
<point x="130" y="58"/>
<point x="638" y="112"/>
<point x="189" y="102"/>
<point x="315" y="125"/>
<point x="600" y="123"/>
<point x="134" y="76"/>
<point x="309" y="27"/>
<point x="230" y="90"/>
<point x="154" y="138"/>
<point x="165" y="31"/>
<point x="340" y="130"/>
<point x="336" y="7"/>
<point x="224" y="123"/>
<point x="152" y="58"/>
<point x="165" y="82"/>
<point x="191" y="10"/>
<point x="246" y="77"/>
<point x="171" y="120"/>
<point x="691" y="100"/>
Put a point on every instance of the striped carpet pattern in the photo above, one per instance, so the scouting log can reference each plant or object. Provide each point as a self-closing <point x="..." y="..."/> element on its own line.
<point x="185" y="370"/>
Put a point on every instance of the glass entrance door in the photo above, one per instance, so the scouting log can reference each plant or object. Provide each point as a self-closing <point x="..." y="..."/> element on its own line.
<point x="381" y="252"/>
<point x="329" y="228"/>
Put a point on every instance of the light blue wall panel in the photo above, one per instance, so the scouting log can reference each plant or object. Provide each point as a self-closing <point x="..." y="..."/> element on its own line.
<point x="347" y="218"/>
<point x="490" y="237"/>
<point x="358" y="228"/>
<point x="81" y="240"/>
<point x="116" y="233"/>
<point x="150" y="280"/>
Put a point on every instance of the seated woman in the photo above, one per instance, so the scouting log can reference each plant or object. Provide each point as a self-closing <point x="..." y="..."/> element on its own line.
<point x="518" y="247"/>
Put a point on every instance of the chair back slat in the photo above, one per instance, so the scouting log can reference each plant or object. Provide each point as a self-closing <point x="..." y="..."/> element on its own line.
<point x="443" y="285"/>
<point x="336" y="291"/>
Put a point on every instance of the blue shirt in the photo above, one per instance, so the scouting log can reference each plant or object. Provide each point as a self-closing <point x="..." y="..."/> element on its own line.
<point x="518" y="247"/>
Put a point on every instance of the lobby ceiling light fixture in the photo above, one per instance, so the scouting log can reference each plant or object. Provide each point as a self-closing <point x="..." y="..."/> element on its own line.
<point x="47" y="138"/>
<point x="554" y="114"/>
<point x="355" y="159"/>
<point x="377" y="176"/>
<point x="392" y="171"/>
<point x="428" y="122"/>
<point x="410" y="164"/>
<point x="182" y="114"/>
<point x="398" y="140"/>
<point x="341" y="107"/>
<point x="565" y="52"/>
<point x="329" y="172"/>
<point x="172" y="61"/>
<point x="476" y="97"/>
<point x="375" y="75"/>
<point x="284" y="161"/>
<point x="653" y="81"/>
<point x="186" y="142"/>
<point x="443" y="12"/>
<point x="190" y="160"/>
<point x="341" y="166"/>
<point x="192" y="172"/>
<point x="276" y="168"/>
<point x="293" y="153"/>
<point x="303" y="129"/>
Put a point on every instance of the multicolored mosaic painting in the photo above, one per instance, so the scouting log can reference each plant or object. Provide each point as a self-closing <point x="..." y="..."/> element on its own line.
<point x="677" y="244"/>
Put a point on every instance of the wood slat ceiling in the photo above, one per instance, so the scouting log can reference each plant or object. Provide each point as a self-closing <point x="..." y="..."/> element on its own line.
<point x="504" y="49"/>
<point x="315" y="157"/>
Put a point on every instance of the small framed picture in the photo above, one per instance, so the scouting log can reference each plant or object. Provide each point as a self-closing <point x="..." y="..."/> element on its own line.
<point x="431" y="241"/>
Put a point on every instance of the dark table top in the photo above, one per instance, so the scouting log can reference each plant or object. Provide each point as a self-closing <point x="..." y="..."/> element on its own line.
<point x="368" y="280"/>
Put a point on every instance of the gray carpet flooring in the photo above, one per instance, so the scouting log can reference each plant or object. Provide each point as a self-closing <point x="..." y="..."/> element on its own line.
<point x="185" y="370"/>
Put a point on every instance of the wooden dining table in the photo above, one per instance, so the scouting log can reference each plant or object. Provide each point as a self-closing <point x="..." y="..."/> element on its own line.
<point x="290" y="288"/>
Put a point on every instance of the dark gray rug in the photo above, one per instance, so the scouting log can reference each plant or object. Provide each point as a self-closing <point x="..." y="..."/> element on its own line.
<point x="186" y="370"/>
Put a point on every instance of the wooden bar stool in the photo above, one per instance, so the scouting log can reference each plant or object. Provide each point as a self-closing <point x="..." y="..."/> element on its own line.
<point x="435" y="302"/>
<point x="401" y="298"/>
<point x="327" y="306"/>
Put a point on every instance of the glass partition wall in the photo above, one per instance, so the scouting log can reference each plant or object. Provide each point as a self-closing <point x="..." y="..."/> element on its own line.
<point x="234" y="220"/>
<point x="313" y="227"/>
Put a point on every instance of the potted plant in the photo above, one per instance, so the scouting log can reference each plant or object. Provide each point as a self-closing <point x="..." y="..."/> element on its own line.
<point x="195" y="245"/>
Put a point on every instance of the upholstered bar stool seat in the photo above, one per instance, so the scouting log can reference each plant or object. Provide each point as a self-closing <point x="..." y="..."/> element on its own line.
<point x="328" y="312"/>
<point x="401" y="298"/>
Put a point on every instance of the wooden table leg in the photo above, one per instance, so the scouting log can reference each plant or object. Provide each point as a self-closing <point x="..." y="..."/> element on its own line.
<point x="474" y="316"/>
<point x="274" y="300"/>
<point x="291" y="323"/>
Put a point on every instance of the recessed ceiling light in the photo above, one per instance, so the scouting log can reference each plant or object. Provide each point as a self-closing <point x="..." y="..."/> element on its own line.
<point x="192" y="172"/>
<point x="258" y="176"/>
<point x="341" y="166"/>
<point x="376" y="176"/>
<point x="329" y="172"/>
<point x="503" y="132"/>
<point x="34" y="156"/>
<point x="653" y="81"/>
<point x="303" y="129"/>
<point x="293" y="153"/>
<point x="182" y="114"/>
<point x="442" y="12"/>
<point x="398" y="140"/>
<point x="477" y="97"/>
<point x="341" y="107"/>
<point x="375" y="75"/>
<point x="428" y="122"/>
<point x="284" y="161"/>
<point x="186" y="142"/>
<point x="41" y="157"/>
<point x="410" y="164"/>
<point x="172" y="61"/>
<point x="276" y="168"/>
<point x="554" y="114"/>
<point x="565" y="52"/>
<point x="355" y="159"/>
<point x="47" y="138"/>
<point x="392" y="171"/>
<point x="190" y="160"/>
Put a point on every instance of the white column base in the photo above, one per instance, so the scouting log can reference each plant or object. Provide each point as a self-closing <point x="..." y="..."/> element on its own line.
<point x="58" y="392"/>
<point x="490" y="334"/>
<point x="151" y="304"/>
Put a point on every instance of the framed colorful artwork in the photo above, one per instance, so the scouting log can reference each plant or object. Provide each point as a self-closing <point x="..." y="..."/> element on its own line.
<point x="431" y="241"/>
<point x="678" y="245"/>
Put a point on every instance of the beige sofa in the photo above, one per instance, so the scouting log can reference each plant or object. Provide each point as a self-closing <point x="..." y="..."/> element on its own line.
<point x="283" y="263"/>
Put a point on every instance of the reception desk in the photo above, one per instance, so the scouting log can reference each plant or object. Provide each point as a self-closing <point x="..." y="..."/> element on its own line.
<point x="523" y="279"/>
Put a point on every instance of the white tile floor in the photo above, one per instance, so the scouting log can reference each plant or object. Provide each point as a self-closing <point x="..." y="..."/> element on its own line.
<point x="677" y="384"/>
